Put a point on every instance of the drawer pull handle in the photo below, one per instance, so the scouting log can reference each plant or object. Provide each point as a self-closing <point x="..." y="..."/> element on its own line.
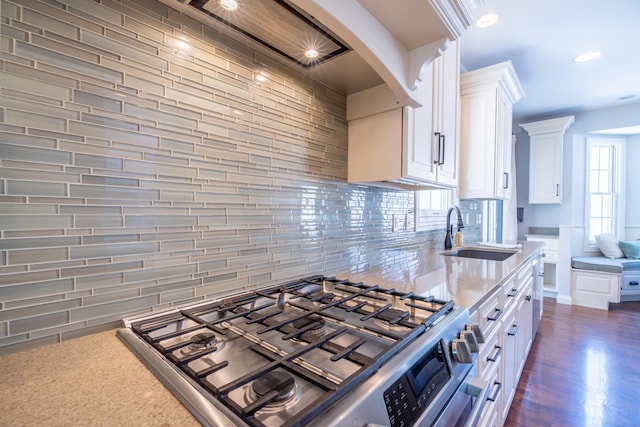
<point x="514" y="330"/>
<point x="496" y="315"/>
<point x="494" y="396"/>
<point x="495" y="356"/>
<point x="634" y="283"/>
<point x="513" y="293"/>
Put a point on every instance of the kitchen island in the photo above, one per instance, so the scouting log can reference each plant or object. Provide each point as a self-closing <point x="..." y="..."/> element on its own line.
<point x="96" y="380"/>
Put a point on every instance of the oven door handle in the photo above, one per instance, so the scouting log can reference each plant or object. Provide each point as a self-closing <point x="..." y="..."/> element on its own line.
<point x="479" y="389"/>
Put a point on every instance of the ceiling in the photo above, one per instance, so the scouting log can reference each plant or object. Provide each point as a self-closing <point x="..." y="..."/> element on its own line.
<point x="542" y="37"/>
<point x="539" y="37"/>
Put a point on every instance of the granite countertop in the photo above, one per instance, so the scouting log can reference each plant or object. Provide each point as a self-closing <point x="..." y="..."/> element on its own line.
<point x="96" y="380"/>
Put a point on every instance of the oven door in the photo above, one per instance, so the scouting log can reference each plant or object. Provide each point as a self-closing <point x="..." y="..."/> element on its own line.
<point x="465" y="406"/>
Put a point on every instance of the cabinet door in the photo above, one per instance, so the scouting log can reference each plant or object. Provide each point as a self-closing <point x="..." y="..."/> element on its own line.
<point x="446" y="84"/>
<point x="503" y="146"/>
<point x="478" y="136"/>
<point x="419" y="142"/>
<point x="524" y="320"/>
<point x="545" y="168"/>
<point x="509" y="363"/>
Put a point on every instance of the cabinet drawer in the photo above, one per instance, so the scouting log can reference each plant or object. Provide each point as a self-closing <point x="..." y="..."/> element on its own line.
<point x="489" y="355"/>
<point x="489" y="314"/>
<point x="630" y="282"/>
<point x="509" y="293"/>
<point x="489" y="417"/>
<point x="512" y="290"/>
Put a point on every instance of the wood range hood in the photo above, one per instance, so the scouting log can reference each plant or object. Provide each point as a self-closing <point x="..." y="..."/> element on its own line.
<point x="366" y="42"/>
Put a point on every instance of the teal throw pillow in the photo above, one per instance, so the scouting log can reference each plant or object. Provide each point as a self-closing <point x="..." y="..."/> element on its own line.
<point x="631" y="249"/>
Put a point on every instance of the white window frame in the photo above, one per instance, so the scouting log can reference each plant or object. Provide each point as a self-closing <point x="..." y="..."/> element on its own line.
<point x="619" y="146"/>
<point x="428" y="217"/>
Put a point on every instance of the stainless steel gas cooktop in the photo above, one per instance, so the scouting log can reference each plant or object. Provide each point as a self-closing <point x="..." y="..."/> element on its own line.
<point x="293" y="354"/>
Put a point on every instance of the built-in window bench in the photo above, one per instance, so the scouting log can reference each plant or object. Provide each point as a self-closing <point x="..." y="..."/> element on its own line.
<point x="596" y="281"/>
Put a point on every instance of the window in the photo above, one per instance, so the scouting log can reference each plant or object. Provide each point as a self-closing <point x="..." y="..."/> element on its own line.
<point x="604" y="192"/>
<point x="431" y="208"/>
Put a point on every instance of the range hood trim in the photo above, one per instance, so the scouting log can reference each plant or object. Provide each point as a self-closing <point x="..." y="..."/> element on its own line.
<point x="400" y="68"/>
<point x="373" y="42"/>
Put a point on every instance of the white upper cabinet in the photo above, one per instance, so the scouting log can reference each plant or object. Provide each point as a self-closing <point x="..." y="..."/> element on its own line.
<point x="446" y="104"/>
<point x="487" y="97"/>
<point x="545" y="158"/>
<point x="400" y="147"/>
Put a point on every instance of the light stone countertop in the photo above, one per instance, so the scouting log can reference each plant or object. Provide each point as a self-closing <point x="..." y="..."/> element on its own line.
<point x="97" y="381"/>
<point x="89" y="381"/>
<point x="465" y="280"/>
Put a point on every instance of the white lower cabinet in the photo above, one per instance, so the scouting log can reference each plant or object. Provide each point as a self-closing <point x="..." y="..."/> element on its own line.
<point x="488" y="362"/>
<point x="506" y="317"/>
<point x="509" y="362"/>
<point x="594" y="289"/>
<point x="524" y="319"/>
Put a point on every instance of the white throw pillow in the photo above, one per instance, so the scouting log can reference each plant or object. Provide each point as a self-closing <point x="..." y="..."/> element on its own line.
<point x="608" y="245"/>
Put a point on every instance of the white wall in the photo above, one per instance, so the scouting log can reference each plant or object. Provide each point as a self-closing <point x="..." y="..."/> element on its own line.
<point x="571" y="211"/>
<point x="632" y="199"/>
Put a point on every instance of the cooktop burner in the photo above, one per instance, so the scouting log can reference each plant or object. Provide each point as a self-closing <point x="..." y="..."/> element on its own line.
<point x="200" y="342"/>
<point x="277" y="386"/>
<point x="312" y="324"/>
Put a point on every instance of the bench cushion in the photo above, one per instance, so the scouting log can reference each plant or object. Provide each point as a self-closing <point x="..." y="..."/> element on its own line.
<point x="605" y="265"/>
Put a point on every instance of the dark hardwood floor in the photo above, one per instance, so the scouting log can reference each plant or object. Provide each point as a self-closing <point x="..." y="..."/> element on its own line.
<point x="583" y="369"/>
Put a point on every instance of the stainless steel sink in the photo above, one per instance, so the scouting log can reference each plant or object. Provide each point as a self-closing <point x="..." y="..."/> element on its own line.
<point x="481" y="254"/>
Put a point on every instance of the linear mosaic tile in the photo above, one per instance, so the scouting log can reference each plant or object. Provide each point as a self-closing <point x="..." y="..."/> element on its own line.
<point x="135" y="177"/>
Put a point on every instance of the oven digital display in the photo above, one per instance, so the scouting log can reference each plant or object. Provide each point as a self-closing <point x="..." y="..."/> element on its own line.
<point x="429" y="371"/>
<point x="411" y="395"/>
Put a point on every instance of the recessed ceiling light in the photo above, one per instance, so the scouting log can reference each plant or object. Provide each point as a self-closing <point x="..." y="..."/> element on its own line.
<point x="311" y="53"/>
<point x="487" y="20"/>
<point x="588" y="56"/>
<point x="228" y="4"/>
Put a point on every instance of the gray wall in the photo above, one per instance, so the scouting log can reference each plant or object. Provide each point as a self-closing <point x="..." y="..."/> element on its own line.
<point x="571" y="211"/>
<point x="136" y="175"/>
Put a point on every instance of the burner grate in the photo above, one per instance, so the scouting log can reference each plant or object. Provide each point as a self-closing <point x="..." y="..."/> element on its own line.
<point x="314" y="315"/>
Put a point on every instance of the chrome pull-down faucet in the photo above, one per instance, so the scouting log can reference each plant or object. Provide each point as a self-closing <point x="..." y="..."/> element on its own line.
<point x="448" y="240"/>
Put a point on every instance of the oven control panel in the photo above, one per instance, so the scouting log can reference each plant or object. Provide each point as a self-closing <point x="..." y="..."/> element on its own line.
<point x="411" y="394"/>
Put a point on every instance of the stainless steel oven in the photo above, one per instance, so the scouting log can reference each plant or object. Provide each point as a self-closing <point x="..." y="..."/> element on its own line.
<point x="316" y="352"/>
<point x="465" y="406"/>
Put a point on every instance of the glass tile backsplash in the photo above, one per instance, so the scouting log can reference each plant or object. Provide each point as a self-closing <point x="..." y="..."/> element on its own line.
<point x="137" y="173"/>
